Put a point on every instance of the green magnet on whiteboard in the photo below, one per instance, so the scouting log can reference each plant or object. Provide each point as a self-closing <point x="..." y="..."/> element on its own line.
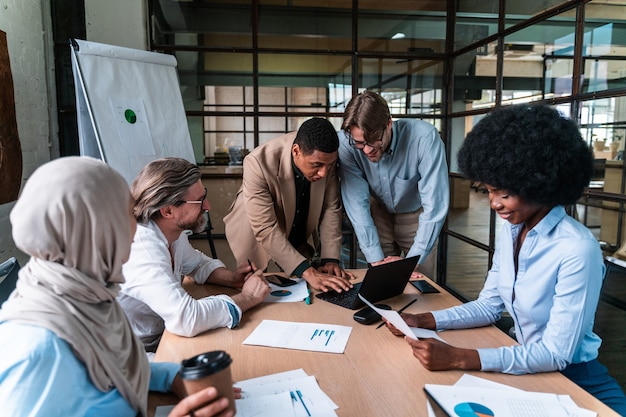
<point x="130" y="116"/>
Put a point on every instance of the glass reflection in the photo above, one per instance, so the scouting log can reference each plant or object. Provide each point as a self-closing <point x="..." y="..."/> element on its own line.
<point x="467" y="268"/>
<point x="411" y="86"/>
<point x="535" y="52"/>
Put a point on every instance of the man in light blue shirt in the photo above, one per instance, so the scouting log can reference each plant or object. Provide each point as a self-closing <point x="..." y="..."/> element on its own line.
<point x="394" y="182"/>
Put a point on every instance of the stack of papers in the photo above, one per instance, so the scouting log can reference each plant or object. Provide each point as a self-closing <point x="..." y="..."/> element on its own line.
<point x="300" y="336"/>
<point x="473" y="396"/>
<point x="285" y="394"/>
<point x="291" y="393"/>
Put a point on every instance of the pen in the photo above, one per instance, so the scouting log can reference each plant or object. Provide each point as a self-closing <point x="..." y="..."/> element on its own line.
<point x="399" y="311"/>
<point x="307" y="300"/>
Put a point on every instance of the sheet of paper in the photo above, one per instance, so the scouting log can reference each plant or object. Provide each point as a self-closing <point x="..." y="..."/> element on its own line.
<point x="291" y="294"/>
<point x="280" y="404"/>
<point x="393" y="317"/>
<point x="566" y="401"/>
<point x="458" y="400"/>
<point x="425" y="334"/>
<point x="132" y="125"/>
<point x="318" y="337"/>
<point x="272" y="378"/>
<point x="307" y="386"/>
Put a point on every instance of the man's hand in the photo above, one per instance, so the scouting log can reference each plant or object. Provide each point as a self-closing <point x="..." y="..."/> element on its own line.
<point x="228" y="278"/>
<point x="387" y="260"/>
<point x="324" y="282"/>
<point x="414" y="275"/>
<point x="254" y="290"/>
<point x="333" y="268"/>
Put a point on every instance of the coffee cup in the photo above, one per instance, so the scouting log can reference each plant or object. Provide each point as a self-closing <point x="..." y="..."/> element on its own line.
<point x="206" y="370"/>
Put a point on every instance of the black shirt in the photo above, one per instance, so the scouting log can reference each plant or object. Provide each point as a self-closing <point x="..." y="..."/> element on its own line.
<point x="297" y="234"/>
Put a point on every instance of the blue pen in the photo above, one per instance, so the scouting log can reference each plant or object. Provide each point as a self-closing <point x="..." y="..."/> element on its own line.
<point x="308" y="297"/>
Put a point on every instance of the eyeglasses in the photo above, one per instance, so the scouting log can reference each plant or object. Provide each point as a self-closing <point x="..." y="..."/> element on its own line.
<point x="195" y="201"/>
<point x="360" y="145"/>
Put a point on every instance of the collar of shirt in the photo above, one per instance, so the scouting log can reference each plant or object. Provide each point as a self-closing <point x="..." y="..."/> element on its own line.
<point x="545" y="225"/>
<point x="299" y="176"/>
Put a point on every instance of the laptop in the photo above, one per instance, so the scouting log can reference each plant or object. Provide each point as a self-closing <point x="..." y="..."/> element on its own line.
<point x="380" y="282"/>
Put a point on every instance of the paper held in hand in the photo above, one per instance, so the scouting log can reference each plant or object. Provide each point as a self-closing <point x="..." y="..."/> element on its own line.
<point x="393" y="317"/>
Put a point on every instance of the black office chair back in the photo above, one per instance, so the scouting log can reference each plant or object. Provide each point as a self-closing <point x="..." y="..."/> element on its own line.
<point x="8" y="278"/>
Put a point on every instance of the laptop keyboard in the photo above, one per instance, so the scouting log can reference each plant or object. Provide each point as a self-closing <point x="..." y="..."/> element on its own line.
<point x="345" y="299"/>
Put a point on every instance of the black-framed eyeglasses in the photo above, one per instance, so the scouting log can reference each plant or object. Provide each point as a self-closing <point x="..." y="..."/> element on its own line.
<point x="361" y="145"/>
<point x="195" y="201"/>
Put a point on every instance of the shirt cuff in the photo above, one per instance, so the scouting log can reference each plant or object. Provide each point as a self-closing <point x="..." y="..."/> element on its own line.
<point x="489" y="360"/>
<point x="301" y="268"/>
<point x="162" y="375"/>
<point x="234" y="314"/>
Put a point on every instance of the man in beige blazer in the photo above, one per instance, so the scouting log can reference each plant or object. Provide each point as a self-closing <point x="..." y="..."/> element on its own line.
<point x="290" y="191"/>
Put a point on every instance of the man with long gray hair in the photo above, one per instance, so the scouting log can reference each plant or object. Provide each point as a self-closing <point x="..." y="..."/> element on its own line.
<point x="169" y="199"/>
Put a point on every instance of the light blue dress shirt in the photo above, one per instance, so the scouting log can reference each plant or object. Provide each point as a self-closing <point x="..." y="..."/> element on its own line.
<point x="412" y="174"/>
<point x="552" y="298"/>
<point x="41" y="376"/>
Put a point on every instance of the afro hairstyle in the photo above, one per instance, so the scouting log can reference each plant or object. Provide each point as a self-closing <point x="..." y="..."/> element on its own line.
<point x="531" y="151"/>
<point x="317" y="134"/>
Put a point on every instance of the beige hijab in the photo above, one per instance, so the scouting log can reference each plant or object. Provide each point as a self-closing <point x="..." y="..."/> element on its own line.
<point x="72" y="218"/>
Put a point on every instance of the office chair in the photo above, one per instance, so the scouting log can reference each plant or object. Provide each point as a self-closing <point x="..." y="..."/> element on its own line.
<point x="8" y="278"/>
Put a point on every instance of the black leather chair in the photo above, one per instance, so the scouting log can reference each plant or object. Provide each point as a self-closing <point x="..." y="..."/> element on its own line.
<point x="8" y="278"/>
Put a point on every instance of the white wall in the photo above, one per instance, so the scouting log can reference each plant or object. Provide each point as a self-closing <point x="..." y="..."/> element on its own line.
<point x="117" y="22"/>
<point x="23" y="23"/>
<point x="29" y="38"/>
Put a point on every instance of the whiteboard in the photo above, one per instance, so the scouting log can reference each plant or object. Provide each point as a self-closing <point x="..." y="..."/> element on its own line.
<point x="129" y="106"/>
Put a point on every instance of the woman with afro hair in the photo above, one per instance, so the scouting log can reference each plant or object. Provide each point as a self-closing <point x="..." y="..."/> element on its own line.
<point x="547" y="268"/>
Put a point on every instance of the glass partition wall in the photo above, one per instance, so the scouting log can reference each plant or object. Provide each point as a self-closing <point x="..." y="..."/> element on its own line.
<point x="253" y="69"/>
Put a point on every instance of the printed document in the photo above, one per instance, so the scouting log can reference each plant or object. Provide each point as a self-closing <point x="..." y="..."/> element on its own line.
<point x="300" y="336"/>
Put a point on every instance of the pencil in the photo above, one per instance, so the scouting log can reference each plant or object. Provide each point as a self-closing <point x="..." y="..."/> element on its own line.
<point x="399" y="311"/>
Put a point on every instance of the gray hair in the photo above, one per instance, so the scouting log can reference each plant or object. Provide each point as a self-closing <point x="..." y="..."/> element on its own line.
<point x="163" y="182"/>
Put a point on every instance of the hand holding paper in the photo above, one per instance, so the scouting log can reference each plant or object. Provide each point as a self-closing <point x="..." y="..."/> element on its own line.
<point x="392" y="317"/>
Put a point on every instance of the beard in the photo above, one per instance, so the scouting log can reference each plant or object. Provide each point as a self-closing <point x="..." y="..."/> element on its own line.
<point x="197" y="226"/>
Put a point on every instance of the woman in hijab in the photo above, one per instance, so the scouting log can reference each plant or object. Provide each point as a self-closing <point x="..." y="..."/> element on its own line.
<point x="66" y="347"/>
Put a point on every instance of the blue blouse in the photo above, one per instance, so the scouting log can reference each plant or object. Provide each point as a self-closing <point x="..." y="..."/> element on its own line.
<point x="41" y="376"/>
<point x="552" y="298"/>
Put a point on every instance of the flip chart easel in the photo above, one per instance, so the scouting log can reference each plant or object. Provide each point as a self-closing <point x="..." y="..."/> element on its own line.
<point x="129" y="106"/>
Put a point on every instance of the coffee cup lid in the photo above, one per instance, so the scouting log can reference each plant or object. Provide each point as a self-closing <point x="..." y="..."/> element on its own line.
<point x="204" y="364"/>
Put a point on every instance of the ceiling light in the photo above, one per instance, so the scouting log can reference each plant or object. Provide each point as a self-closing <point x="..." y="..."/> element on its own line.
<point x="398" y="35"/>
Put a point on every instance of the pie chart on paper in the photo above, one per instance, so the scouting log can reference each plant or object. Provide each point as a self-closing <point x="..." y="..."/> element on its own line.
<point x="472" y="410"/>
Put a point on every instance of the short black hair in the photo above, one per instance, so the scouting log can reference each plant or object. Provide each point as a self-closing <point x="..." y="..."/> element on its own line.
<point x="317" y="134"/>
<point x="531" y="151"/>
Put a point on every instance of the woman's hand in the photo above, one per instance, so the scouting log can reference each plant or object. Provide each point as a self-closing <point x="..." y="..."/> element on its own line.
<point x="436" y="355"/>
<point x="203" y="403"/>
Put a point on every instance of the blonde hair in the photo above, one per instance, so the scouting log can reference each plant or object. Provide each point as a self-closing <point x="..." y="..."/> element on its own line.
<point x="163" y="182"/>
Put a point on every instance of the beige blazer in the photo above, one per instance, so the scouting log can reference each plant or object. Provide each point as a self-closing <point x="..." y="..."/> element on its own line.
<point x="264" y="208"/>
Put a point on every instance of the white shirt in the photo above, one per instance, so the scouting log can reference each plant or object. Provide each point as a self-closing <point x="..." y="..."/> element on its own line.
<point x="153" y="297"/>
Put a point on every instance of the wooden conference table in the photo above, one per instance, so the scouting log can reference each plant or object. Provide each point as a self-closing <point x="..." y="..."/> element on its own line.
<point x="376" y="375"/>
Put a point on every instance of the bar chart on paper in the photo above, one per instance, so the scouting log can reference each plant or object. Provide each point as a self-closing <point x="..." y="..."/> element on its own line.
<point x="323" y="335"/>
<point x="300" y="336"/>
